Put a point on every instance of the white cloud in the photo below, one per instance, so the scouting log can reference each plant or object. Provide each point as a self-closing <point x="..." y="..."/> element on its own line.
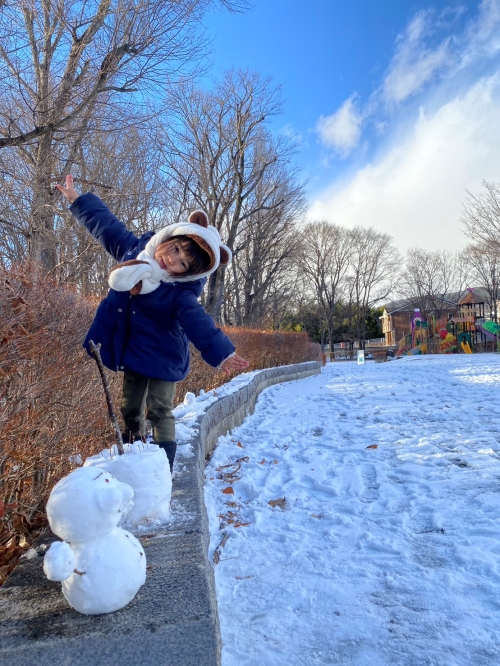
<point x="416" y="189"/>
<point x="290" y="132"/>
<point x="413" y="64"/>
<point x="342" y="129"/>
<point x="482" y="38"/>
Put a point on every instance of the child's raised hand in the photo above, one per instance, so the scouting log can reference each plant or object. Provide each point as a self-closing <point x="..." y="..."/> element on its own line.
<point x="234" y="363"/>
<point x="68" y="189"/>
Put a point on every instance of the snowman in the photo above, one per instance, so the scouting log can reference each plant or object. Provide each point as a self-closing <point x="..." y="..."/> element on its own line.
<point x="101" y="566"/>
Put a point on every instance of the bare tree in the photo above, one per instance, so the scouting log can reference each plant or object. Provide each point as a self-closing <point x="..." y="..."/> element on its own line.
<point x="374" y="265"/>
<point x="267" y="242"/>
<point x="65" y="65"/>
<point x="431" y="281"/>
<point x="218" y="152"/>
<point x="481" y="216"/>
<point x="327" y="253"/>
<point x="482" y="263"/>
<point x="123" y="168"/>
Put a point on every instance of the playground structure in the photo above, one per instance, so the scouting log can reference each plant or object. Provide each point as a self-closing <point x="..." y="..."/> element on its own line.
<point x="491" y="330"/>
<point x="431" y="336"/>
<point x="466" y="332"/>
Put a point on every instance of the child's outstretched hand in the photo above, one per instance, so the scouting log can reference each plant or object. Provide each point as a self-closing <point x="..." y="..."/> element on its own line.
<point x="68" y="189"/>
<point x="234" y="363"/>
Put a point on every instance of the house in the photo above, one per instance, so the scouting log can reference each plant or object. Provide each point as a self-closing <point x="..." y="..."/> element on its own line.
<point x="396" y="321"/>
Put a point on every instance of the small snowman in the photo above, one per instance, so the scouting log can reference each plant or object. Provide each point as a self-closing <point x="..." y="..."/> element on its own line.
<point x="101" y="566"/>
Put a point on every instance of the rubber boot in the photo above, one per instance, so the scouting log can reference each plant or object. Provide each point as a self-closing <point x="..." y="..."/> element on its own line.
<point x="170" y="448"/>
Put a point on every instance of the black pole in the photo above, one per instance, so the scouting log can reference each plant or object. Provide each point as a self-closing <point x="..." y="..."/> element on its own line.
<point x="94" y="350"/>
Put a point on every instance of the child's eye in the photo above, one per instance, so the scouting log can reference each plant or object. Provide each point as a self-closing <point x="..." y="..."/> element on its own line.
<point x="184" y="265"/>
<point x="176" y="248"/>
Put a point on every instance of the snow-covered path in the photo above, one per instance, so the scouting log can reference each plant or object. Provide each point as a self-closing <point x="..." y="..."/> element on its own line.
<point x="376" y="556"/>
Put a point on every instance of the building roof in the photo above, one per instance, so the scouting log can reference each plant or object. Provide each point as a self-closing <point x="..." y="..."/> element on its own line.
<point x="409" y="304"/>
<point x="475" y="295"/>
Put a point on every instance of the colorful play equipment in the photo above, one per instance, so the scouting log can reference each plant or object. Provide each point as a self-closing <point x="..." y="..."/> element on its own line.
<point x="419" y="333"/>
<point x="491" y="330"/>
<point x="447" y="341"/>
<point x="466" y="330"/>
<point x="436" y="335"/>
<point x="465" y="341"/>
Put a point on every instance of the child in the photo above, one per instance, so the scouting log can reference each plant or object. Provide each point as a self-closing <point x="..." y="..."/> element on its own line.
<point x="152" y="309"/>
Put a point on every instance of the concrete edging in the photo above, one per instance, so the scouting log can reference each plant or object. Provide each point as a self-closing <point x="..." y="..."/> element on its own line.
<point x="173" y="620"/>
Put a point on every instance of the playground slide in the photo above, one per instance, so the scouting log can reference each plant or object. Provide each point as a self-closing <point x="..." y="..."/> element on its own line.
<point x="466" y="348"/>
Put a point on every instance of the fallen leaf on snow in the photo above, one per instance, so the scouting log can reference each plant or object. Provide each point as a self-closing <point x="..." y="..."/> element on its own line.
<point x="262" y="461"/>
<point x="218" y="550"/>
<point x="221" y="467"/>
<point x="228" y="491"/>
<point x="241" y="524"/>
<point x="372" y="446"/>
<point x="278" y="502"/>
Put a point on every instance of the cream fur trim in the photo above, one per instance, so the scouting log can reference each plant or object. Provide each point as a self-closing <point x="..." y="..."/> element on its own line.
<point x="126" y="277"/>
<point x="209" y="234"/>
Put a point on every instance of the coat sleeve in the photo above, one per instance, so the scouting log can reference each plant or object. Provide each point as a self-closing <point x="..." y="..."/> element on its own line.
<point x="96" y="217"/>
<point x="201" y="330"/>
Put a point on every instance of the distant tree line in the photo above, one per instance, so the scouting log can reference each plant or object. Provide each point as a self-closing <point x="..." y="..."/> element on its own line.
<point x="108" y="90"/>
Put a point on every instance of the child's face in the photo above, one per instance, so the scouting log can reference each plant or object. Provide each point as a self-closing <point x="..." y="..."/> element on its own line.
<point x="172" y="258"/>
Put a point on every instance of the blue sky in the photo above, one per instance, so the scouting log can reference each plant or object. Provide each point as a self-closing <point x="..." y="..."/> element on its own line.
<point x="396" y="104"/>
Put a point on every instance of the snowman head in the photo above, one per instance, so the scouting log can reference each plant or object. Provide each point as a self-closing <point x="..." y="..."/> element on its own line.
<point x="86" y="504"/>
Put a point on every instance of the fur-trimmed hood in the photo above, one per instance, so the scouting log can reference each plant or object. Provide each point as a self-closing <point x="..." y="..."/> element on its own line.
<point x="145" y="269"/>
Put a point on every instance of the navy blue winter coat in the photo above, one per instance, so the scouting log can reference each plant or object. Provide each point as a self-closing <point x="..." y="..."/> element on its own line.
<point x="147" y="333"/>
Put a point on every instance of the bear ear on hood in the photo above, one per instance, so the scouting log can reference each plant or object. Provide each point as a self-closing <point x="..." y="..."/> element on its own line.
<point x="225" y="255"/>
<point x="199" y="217"/>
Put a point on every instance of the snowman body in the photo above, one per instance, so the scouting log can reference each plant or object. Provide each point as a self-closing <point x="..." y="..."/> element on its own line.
<point x="101" y="566"/>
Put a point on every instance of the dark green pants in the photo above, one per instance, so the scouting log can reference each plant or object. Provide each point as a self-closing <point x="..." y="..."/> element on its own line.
<point x="152" y="399"/>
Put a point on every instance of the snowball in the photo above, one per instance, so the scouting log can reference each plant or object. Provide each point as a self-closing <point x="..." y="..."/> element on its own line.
<point x="189" y="398"/>
<point x="145" y="468"/>
<point x="59" y="561"/>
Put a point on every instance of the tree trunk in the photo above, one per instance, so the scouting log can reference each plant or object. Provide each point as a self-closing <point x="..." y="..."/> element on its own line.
<point x="42" y="245"/>
<point x="215" y="295"/>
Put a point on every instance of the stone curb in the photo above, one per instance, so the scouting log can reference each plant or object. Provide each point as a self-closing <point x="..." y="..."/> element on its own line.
<point x="173" y="620"/>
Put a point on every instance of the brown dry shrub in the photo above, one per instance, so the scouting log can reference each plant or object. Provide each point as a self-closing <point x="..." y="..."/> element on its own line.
<point x="51" y="399"/>
<point x="52" y="404"/>
<point x="262" y="349"/>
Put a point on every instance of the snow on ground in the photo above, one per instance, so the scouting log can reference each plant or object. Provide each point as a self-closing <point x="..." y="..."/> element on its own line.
<point x="379" y="556"/>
